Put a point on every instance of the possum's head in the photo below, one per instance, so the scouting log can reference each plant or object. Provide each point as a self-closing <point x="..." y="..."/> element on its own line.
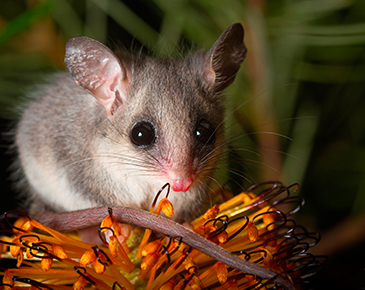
<point x="168" y="110"/>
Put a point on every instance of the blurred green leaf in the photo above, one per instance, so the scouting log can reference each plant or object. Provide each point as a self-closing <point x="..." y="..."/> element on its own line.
<point x="130" y="21"/>
<point x="25" y="20"/>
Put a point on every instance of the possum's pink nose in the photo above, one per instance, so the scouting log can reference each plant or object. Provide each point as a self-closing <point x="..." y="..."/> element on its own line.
<point x="182" y="184"/>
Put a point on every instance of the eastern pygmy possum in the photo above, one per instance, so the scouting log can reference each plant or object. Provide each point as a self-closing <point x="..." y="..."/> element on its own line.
<point x="118" y="126"/>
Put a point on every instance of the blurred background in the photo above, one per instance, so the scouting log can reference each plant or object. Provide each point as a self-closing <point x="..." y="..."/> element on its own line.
<point x="296" y="112"/>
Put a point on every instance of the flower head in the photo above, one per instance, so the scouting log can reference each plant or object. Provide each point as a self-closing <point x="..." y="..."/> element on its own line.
<point x="260" y="248"/>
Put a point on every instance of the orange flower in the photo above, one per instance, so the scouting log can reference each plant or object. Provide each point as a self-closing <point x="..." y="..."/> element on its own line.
<point x="247" y="226"/>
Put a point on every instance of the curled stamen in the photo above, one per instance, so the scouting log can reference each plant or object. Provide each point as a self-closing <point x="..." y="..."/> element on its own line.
<point x="242" y="252"/>
<point x="158" y="194"/>
<point x="220" y="219"/>
<point x="310" y="268"/>
<point x="21" y="240"/>
<point x="299" y="200"/>
<point x="78" y="268"/>
<point x="292" y="185"/>
<point x="279" y="222"/>
<point x="168" y="257"/>
<point x="6" y="242"/>
<point x="177" y="247"/>
<point x="103" y="230"/>
<point x="223" y="219"/>
<point x="240" y="229"/>
<point x="301" y="233"/>
<point x="186" y="254"/>
<point x="287" y="232"/>
<point x="289" y="242"/>
<point x="110" y="212"/>
<point x="97" y="251"/>
<point x="115" y="284"/>
<point x="110" y="222"/>
<point x="273" y="191"/>
<point x="169" y="254"/>
<point x="269" y="281"/>
<point x="41" y="247"/>
<point x="253" y="286"/>
<point x="191" y="275"/>
<point x="31" y="282"/>
<point x="17" y="216"/>
<point x="261" y="258"/>
<point x="169" y="242"/>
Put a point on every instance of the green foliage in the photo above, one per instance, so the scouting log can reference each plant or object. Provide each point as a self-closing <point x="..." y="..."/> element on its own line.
<point x="302" y="85"/>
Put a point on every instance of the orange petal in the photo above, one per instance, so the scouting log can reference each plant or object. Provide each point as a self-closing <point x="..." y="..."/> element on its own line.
<point x="111" y="222"/>
<point x="98" y="267"/>
<point x="87" y="258"/>
<point x="173" y="246"/>
<point x="272" y="243"/>
<point x="246" y="198"/>
<point x="20" y="258"/>
<point x="107" y="222"/>
<point x="252" y="232"/>
<point x="270" y="218"/>
<point x="80" y="283"/>
<point x="269" y="260"/>
<point x="2" y="248"/>
<point x="46" y="264"/>
<point x="222" y="273"/>
<point x="223" y="237"/>
<point x="149" y="261"/>
<point x="146" y="236"/>
<point x="58" y="251"/>
<point x="211" y="213"/>
<point x="24" y="224"/>
<point x="195" y="283"/>
<point x="27" y="226"/>
<point x="189" y="262"/>
<point x="15" y="249"/>
<point x="167" y="207"/>
<point x="151" y="248"/>
<point x="231" y="285"/>
<point x="169" y="285"/>
<point x="8" y="279"/>
<point x="113" y="246"/>
<point x="29" y="254"/>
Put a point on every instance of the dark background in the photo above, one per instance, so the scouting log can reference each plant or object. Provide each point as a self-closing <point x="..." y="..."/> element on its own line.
<point x="304" y="77"/>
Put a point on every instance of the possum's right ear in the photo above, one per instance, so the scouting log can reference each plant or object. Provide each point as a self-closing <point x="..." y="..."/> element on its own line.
<point x="96" y="68"/>
<point x="223" y="60"/>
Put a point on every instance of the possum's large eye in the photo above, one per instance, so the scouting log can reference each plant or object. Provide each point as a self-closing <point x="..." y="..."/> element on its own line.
<point x="205" y="133"/>
<point x="143" y="133"/>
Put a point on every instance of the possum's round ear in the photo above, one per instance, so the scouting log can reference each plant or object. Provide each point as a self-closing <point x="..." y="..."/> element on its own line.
<point x="96" y="68"/>
<point x="223" y="60"/>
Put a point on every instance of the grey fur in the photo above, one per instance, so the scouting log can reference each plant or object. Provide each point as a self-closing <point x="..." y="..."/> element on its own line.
<point x="75" y="153"/>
